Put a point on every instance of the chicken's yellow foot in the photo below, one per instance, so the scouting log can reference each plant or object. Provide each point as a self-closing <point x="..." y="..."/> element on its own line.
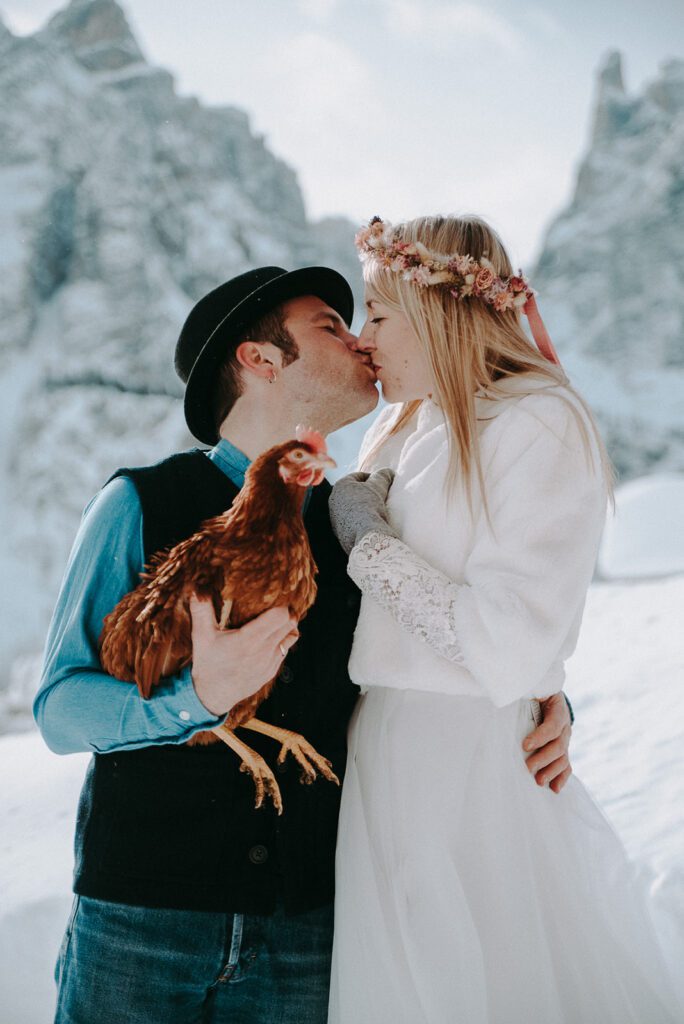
<point x="254" y="764"/>
<point x="292" y="743"/>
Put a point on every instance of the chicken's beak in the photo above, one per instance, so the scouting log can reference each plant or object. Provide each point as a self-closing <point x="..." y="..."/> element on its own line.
<point x="314" y="471"/>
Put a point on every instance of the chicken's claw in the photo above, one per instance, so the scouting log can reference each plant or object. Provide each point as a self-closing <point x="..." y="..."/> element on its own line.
<point x="306" y="757"/>
<point x="264" y="780"/>
<point x="293" y="743"/>
<point x="254" y="765"/>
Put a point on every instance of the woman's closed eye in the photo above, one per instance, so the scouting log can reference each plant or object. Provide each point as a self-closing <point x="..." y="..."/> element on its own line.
<point x="377" y="319"/>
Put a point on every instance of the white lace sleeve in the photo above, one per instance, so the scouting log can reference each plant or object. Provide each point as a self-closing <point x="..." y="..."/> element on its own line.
<point x="418" y="596"/>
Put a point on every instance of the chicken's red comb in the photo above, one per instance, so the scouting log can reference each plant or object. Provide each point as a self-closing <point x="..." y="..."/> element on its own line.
<point x="309" y="436"/>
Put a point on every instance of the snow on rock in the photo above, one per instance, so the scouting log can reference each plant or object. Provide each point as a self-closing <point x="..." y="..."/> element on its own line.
<point x="645" y="537"/>
<point x="610" y="278"/>
<point x="121" y="203"/>
<point x="625" y="684"/>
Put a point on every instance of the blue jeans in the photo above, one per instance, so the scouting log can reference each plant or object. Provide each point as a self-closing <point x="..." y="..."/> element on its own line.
<point x="135" y="965"/>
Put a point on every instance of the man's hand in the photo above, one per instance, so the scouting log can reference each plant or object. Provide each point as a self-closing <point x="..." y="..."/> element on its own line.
<point x="229" y="665"/>
<point x="550" y="742"/>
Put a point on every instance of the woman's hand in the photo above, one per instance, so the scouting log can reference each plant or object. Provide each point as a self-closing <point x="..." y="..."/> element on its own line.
<point x="357" y="506"/>
<point x="550" y="741"/>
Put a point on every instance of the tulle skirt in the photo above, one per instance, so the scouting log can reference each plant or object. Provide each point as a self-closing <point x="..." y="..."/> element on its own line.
<point x="468" y="894"/>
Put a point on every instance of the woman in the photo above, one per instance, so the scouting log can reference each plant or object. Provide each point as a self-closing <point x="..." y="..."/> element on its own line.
<point x="465" y="893"/>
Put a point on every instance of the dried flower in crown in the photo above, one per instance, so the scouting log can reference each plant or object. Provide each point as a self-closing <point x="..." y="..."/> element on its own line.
<point x="462" y="275"/>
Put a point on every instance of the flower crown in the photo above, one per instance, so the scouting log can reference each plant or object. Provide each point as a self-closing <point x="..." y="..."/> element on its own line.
<point x="462" y="275"/>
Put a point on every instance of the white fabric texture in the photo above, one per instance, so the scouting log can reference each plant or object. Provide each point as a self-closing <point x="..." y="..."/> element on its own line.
<point x="523" y="570"/>
<point x="465" y="893"/>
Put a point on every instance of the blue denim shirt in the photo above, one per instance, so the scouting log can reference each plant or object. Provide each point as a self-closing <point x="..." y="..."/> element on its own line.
<point x="78" y="706"/>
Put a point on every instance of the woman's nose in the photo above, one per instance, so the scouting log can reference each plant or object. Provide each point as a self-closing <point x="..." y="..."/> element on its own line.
<point x="365" y="342"/>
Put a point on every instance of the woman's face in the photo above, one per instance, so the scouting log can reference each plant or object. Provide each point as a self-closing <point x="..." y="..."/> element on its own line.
<point x="399" y="363"/>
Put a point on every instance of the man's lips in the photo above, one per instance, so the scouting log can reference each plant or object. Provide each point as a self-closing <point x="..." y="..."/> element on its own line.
<point x="367" y="362"/>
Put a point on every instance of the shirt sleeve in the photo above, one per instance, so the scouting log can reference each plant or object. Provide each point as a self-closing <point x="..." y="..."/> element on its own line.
<point x="78" y="706"/>
<point x="512" y="616"/>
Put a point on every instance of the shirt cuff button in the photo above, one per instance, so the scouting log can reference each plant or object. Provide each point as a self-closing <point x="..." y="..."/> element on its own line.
<point x="185" y="715"/>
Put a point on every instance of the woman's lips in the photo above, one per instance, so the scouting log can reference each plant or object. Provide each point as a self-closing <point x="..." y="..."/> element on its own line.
<point x="368" y="363"/>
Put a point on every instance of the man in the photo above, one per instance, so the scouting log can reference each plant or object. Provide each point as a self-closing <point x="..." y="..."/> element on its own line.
<point x="191" y="904"/>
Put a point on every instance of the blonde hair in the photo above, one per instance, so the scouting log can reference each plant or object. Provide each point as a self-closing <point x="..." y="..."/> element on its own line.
<point x="470" y="347"/>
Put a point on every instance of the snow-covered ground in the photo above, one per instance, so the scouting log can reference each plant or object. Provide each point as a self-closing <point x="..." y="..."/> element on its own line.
<point x="38" y="812"/>
<point x="625" y="680"/>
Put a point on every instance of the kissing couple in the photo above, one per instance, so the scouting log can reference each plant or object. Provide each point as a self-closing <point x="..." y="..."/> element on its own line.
<point x="470" y="876"/>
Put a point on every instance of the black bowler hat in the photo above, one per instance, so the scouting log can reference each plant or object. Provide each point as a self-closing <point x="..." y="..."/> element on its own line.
<point x="224" y="314"/>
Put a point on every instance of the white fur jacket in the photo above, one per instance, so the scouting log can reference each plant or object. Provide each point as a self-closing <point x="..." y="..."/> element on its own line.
<point x="460" y="605"/>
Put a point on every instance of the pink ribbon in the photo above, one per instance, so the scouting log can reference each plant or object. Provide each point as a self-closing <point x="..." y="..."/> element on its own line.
<point x="539" y="332"/>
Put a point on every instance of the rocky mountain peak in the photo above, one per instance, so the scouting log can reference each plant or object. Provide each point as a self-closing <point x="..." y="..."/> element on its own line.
<point x="610" y="73"/>
<point x="667" y="92"/>
<point x="4" y="31"/>
<point x="97" y="33"/>
<point x="612" y="107"/>
<point x="609" y="274"/>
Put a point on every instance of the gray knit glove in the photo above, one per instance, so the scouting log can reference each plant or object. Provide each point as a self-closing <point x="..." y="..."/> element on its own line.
<point x="357" y="506"/>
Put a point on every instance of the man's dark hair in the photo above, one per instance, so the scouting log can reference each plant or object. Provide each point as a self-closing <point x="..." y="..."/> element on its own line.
<point x="269" y="327"/>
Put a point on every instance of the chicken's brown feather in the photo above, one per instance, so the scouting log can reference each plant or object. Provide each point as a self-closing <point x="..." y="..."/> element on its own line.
<point x="256" y="554"/>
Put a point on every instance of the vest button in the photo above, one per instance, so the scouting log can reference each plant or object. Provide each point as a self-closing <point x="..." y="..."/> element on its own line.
<point x="286" y="674"/>
<point x="258" y="854"/>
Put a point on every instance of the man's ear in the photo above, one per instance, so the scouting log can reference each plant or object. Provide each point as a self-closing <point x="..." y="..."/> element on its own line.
<point x="259" y="358"/>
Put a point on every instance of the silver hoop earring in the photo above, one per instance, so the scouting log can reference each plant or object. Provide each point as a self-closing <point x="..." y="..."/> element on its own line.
<point x="272" y="380"/>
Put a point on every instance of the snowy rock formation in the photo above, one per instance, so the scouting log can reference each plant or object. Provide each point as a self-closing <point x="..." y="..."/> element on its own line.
<point x="121" y="203"/>
<point x="611" y="271"/>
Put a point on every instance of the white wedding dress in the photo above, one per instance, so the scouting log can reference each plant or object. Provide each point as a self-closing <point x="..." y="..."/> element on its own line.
<point x="465" y="893"/>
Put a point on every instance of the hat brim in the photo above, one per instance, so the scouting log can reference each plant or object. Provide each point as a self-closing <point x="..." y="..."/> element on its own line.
<point x="324" y="283"/>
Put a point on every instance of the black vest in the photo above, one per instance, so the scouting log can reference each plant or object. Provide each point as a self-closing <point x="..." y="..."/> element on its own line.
<point x="176" y="826"/>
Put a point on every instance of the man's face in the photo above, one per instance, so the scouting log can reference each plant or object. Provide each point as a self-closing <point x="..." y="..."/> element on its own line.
<point x="332" y="376"/>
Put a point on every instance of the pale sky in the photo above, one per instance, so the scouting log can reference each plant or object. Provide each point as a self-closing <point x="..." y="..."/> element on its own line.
<point x="407" y="107"/>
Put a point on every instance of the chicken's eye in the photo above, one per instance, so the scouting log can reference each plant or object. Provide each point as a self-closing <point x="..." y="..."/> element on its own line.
<point x="299" y="455"/>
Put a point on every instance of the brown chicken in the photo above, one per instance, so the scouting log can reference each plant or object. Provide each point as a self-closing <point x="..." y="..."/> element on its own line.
<point x="254" y="556"/>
